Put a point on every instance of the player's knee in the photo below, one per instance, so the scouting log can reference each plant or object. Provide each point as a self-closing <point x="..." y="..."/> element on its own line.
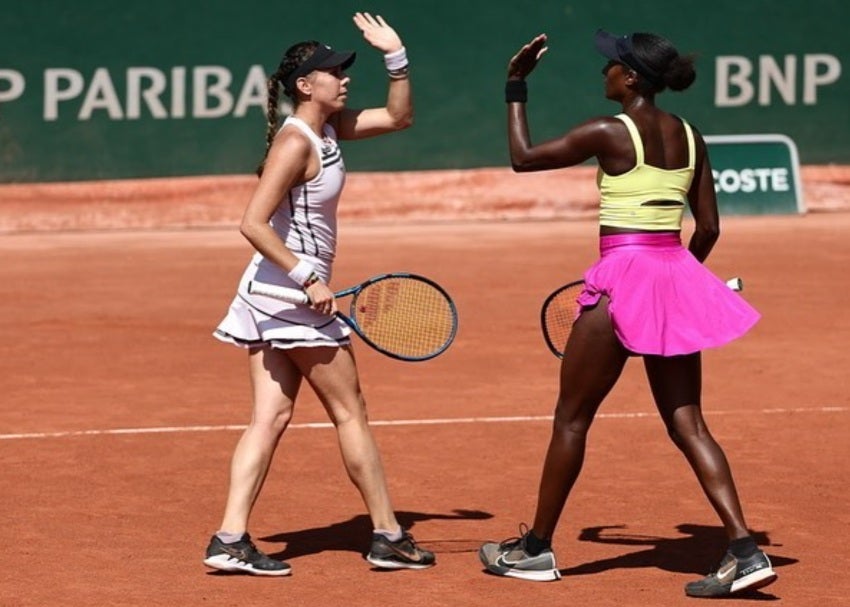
<point x="345" y="414"/>
<point x="267" y="430"/>
<point x="281" y="421"/>
<point x="675" y="437"/>
<point x="278" y="423"/>
<point x="568" y="423"/>
<point x="685" y="435"/>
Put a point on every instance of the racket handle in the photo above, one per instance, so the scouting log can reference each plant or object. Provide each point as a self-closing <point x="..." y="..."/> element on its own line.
<point x="736" y="284"/>
<point x="277" y="292"/>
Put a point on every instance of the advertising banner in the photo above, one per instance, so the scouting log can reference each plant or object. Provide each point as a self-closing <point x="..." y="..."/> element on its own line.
<point x="113" y="90"/>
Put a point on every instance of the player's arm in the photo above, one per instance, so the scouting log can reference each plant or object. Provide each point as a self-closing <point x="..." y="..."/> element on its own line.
<point x="702" y="201"/>
<point x="397" y="113"/>
<point x="580" y="143"/>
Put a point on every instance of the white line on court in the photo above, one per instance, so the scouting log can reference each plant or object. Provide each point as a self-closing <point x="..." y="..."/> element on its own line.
<point x="397" y="422"/>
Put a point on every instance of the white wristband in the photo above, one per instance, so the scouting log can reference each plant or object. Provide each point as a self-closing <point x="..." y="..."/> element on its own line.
<point x="397" y="60"/>
<point x="301" y="272"/>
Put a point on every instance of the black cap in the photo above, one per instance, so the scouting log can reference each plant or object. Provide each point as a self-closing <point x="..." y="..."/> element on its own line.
<point x="621" y="49"/>
<point x="324" y="57"/>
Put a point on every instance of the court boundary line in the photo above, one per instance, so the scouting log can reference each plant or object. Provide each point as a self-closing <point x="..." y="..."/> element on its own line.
<point x="399" y="422"/>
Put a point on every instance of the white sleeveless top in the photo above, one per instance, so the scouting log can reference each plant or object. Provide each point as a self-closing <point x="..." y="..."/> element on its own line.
<point x="306" y="222"/>
<point x="306" y="218"/>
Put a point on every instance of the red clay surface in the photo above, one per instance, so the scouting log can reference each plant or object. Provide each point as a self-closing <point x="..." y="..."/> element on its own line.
<point x="120" y="412"/>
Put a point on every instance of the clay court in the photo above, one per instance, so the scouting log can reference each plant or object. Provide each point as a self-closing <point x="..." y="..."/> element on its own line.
<point x="120" y="412"/>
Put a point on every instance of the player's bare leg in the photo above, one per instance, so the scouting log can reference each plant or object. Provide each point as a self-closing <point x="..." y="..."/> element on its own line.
<point x="333" y="375"/>
<point x="274" y="381"/>
<point x="676" y="387"/>
<point x="676" y="384"/>
<point x="593" y="361"/>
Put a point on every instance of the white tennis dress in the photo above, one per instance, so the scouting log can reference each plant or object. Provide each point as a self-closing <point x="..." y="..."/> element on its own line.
<point x="305" y="220"/>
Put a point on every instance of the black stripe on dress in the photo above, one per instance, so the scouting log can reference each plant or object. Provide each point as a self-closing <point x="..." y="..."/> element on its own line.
<point x="333" y="157"/>
<point x="292" y="221"/>
<point x="309" y="227"/>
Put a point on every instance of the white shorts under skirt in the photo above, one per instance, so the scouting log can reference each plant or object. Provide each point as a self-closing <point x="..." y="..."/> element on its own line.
<point x="255" y="320"/>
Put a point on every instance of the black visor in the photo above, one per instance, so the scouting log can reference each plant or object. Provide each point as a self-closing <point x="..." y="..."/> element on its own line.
<point x="324" y="57"/>
<point x="621" y="49"/>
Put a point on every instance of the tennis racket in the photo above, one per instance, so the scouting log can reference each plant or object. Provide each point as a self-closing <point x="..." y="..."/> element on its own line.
<point x="404" y="316"/>
<point x="561" y="309"/>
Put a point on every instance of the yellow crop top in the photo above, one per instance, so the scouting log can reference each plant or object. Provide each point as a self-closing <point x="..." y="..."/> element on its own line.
<point x="622" y="196"/>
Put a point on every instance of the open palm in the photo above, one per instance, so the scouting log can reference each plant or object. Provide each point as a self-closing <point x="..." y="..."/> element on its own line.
<point x="377" y="32"/>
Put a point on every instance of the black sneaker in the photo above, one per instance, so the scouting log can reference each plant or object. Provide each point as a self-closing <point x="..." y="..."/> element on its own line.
<point x="243" y="556"/>
<point x="734" y="575"/>
<point x="402" y="554"/>
<point x="510" y="559"/>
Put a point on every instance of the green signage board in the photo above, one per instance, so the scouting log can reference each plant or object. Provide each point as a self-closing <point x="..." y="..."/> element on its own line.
<point x="756" y="174"/>
<point x="160" y="88"/>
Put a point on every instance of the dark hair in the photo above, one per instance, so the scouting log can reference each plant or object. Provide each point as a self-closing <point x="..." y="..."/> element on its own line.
<point x="676" y="71"/>
<point x="294" y="56"/>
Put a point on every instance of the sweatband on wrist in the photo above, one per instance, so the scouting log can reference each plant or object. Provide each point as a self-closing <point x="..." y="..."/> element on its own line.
<point x="397" y="60"/>
<point x="301" y="272"/>
<point x="516" y="90"/>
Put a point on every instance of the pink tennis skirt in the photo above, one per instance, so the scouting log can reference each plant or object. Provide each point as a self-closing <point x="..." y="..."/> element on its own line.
<point x="662" y="301"/>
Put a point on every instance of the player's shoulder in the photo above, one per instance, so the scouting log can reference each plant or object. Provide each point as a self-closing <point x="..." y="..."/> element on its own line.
<point x="292" y="140"/>
<point x="699" y="141"/>
<point x="684" y="121"/>
<point x="604" y="120"/>
<point x="290" y="147"/>
<point x="292" y="134"/>
<point x="601" y="127"/>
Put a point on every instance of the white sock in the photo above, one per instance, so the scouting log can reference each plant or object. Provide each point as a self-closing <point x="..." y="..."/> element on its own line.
<point x="229" y="538"/>
<point x="393" y="536"/>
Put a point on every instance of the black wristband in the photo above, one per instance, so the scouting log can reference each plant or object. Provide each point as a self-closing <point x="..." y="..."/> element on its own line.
<point x="399" y="74"/>
<point x="516" y="90"/>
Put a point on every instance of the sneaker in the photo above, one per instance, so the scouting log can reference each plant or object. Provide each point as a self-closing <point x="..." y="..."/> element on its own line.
<point x="510" y="558"/>
<point x="401" y="554"/>
<point x="734" y="575"/>
<point x="243" y="556"/>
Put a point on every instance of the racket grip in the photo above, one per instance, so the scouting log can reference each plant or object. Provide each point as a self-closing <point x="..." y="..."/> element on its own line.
<point x="277" y="292"/>
<point x="736" y="284"/>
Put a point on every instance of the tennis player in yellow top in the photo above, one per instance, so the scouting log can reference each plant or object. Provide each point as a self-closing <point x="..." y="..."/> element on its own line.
<point x="647" y="295"/>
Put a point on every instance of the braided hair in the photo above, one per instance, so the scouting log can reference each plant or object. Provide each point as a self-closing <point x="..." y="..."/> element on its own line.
<point x="294" y="56"/>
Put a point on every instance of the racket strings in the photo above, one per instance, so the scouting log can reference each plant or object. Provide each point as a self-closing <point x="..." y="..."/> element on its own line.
<point x="405" y="316"/>
<point x="559" y="315"/>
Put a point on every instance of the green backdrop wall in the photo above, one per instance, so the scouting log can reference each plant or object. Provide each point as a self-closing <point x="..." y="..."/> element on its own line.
<point x="102" y="89"/>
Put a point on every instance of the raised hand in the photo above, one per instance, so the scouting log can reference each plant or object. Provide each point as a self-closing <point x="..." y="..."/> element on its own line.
<point x="377" y="32"/>
<point x="524" y="62"/>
